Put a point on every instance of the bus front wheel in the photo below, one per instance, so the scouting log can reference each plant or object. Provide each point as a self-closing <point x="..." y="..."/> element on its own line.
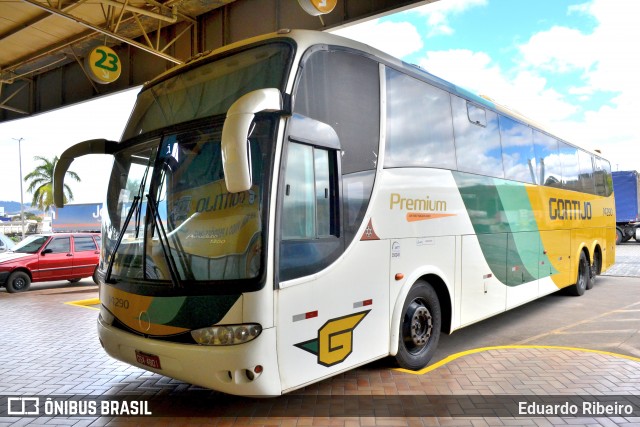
<point x="419" y="327"/>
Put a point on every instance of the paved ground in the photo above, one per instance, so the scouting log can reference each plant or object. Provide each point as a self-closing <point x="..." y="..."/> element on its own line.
<point x="627" y="260"/>
<point x="557" y="350"/>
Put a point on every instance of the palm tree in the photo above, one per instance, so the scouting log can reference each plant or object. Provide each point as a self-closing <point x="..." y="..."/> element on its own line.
<point x="41" y="183"/>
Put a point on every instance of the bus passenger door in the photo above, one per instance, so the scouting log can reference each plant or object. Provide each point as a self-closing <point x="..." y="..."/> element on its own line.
<point x="332" y="309"/>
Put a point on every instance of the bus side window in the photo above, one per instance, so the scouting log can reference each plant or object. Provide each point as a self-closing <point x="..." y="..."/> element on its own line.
<point x="477" y="139"/>
<point x="350" y="104"/>
<point x="602" y="177"/>
<point x="309" y="219"/>
<point x="518" y="158"/>
<point x="419" y="124"/>
<point x="587" y="180"/>
<point x="570" y="166"/>
<point x="309" y="200"/>
<point x="548" y="163"/>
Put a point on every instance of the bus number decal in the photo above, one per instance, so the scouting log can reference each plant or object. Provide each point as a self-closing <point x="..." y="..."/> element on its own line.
<point x="334" y="342"/>
<point x="119" y="302"/>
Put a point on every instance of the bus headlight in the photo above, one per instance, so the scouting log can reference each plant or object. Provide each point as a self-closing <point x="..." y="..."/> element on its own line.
<point x="226" y="334"/>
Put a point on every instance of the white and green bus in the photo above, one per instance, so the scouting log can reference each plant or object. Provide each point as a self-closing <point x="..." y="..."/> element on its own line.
<point x="296" y="205"/>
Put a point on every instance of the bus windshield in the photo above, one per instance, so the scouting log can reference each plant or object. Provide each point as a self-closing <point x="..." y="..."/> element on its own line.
<point x="170" y="219"/>
<point x="209" y="89"/>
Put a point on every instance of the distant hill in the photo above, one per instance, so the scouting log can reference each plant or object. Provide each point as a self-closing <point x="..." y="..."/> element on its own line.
<point x="12" y="208"/>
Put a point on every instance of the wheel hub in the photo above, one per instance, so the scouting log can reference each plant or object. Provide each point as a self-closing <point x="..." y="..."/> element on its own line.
<point x="421" y="326"/>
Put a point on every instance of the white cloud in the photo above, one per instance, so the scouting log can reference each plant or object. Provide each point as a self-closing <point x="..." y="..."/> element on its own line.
<point x="525" y="91"/>
<point x="559" y="49"/>
<point x="602" y="57"/>
<point x="395" y="38"/>
<point x="608" y="64"/>
<point x="438" y="13"/>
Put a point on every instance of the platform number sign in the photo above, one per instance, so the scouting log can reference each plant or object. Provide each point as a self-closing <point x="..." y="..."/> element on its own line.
<point x="103" y="65"/>
<point x="318" y="7"/>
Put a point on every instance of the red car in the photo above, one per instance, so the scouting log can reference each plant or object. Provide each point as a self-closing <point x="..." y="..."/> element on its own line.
<point x="47" y="257"/>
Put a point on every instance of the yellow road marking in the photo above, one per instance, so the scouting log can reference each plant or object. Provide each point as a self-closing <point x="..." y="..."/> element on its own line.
<point x="508" y="347"/>
<point x="579" y="323"/>
<point x="86" y="303"/>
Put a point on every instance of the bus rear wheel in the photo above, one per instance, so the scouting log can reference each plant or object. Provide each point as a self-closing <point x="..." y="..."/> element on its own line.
<point x="595" y="270"/>
<point x="584" y="276"/>
<point x="419" y="327"/>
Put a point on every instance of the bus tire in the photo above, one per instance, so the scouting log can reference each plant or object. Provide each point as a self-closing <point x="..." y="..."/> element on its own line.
<point x="419" y="327"/>
<point x="595" y="270"/>
<point x="18" y="281"/>
<point x="592" y="279"/>
<point x="597" y="263"/>
<point x="583" y="277"/>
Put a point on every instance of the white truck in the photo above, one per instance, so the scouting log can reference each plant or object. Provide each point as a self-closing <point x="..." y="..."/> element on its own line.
<point x="15" y="227"/>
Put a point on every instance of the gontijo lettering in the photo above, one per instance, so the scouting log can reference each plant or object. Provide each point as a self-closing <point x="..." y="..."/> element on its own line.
<point x="425" y="204"/>
<point x="569" y="209"/>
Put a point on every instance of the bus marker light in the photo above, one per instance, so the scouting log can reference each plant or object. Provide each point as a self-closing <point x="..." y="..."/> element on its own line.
<point x="304" y="316"/>
<point x="363" y="303"/>
<point x="399" y="276"/>
<point x="258" y="369"/>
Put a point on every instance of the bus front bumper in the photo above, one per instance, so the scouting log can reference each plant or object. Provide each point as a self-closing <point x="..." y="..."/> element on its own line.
<point x="248" y="369"/>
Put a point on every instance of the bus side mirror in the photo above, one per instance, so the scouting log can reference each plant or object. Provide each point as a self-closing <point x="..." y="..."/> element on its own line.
<point x="92" y="146"/>
<point x="236" y="155"/>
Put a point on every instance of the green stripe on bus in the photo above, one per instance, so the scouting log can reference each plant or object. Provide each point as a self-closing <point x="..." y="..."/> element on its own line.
<point x="504" y="221"/>
<point x="190" y="312"/>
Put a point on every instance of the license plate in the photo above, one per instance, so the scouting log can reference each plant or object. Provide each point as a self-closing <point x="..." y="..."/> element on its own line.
<point x="150" y="360"/>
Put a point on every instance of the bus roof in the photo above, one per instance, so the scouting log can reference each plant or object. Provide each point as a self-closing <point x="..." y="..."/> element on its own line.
<point x="305" y="39"/>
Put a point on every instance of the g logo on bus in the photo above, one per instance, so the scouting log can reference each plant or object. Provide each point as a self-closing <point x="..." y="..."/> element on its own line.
<point x="335" y="339"/>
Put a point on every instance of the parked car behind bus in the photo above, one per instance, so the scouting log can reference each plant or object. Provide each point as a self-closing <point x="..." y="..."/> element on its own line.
<point x="47" y="257"/>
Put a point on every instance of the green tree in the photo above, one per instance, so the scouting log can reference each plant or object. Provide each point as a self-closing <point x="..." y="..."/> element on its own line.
<point x="40" y="182"/>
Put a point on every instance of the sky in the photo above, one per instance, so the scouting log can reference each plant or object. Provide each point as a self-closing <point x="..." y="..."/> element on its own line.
<point x="570" y="65"/>
<point x="49" y="134"/>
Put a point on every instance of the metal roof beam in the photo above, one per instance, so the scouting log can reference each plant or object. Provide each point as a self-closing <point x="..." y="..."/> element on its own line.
<point x="105" y="32"/>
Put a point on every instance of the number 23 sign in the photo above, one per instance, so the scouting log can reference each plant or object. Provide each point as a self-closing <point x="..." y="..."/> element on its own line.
<point x="103" y="65"/>
<point x="318" y="7"/>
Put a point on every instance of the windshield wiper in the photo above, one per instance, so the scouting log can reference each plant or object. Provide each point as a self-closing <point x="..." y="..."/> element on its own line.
<point x="164" y="243"/>
<point x="136" y="207"/>
<point x="134" y="204"/>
